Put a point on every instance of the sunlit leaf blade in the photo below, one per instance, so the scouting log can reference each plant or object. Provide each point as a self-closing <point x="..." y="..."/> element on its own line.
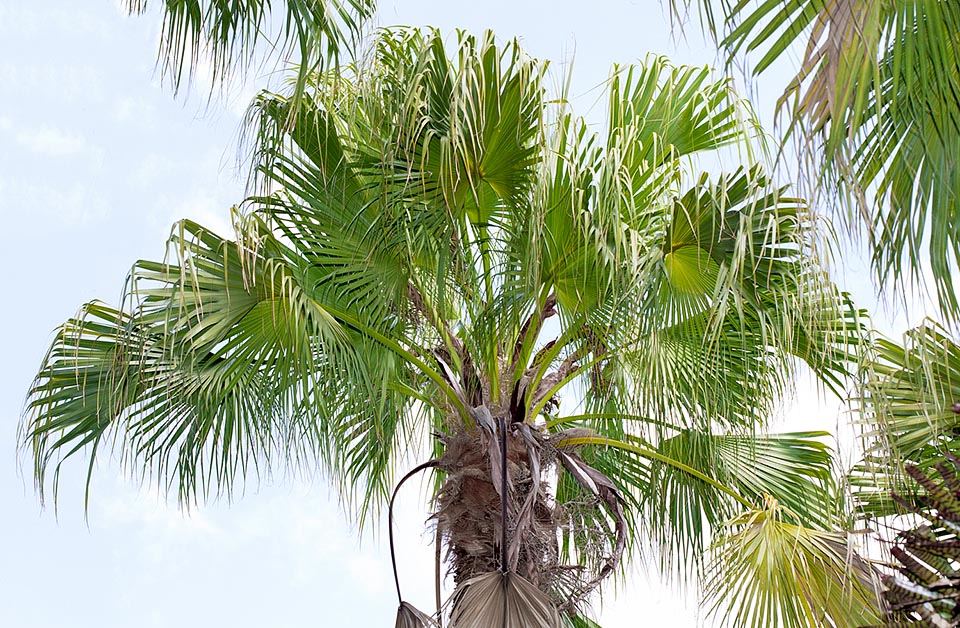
<point x="769" y="572"/>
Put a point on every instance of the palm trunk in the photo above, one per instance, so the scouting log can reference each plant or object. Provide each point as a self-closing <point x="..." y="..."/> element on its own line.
<point x="470" y="517"/>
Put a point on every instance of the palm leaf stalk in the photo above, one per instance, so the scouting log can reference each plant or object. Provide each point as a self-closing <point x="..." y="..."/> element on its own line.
<point x="407" y="615"/>
<point x="443" y="258"/>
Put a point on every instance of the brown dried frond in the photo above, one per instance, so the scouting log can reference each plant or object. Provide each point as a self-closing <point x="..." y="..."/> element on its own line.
<point x="409" y="617"/>
<point x="504" y="600"/>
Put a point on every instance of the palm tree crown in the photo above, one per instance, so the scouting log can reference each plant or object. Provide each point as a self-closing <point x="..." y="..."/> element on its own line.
<point x="586" y="334"/>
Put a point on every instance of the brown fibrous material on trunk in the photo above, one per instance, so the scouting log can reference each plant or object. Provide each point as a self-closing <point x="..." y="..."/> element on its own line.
<point x="469" y="514"/>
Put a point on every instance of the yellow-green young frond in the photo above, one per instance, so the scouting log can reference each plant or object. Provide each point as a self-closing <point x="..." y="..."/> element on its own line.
<point x="770" y="573"/>
<point x="227" y="34"/>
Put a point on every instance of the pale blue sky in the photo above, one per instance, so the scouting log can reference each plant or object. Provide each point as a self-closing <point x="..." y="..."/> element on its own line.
<point x="97" y="160"/>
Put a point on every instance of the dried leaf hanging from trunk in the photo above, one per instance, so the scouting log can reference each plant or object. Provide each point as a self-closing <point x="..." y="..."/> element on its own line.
<point x="525" y="516"/>
<point x="604" y="488"/>
<point x="502" y="600"/>
<point x="410" y="617"/>
<point x="490" y="437"/>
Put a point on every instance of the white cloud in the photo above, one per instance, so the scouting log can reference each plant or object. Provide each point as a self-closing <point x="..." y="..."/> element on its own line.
<point x="65" y="82"/>
<point x="662" y="603"/>
<point x="51" y="142"/>
<point x="206" y="195"/>
<point x="239" y="99"/>
<point x="70" y="204"/>
<point x="155" y="167"/>
<point x="204" y="208"/>
<point x="32" y="20"/>
<point x="146" y="511"/>
<point x="138" y="110"/>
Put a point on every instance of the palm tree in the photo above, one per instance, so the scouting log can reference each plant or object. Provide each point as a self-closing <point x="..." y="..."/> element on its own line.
<point x="877" y="103"/>
<point x="582" y="333"/>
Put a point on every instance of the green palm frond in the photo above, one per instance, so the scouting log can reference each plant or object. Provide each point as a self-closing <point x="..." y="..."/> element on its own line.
<point x="733" y="294"/>
<point x="227" y="34"/>
<point x="876" y="99"/>
<point x="796" y="468"/>
<point x="661" y="112"/>
<point x="684" y="488"/>
<point x="914" y="389"/>
<point x="770" y="572"/>
<point x="222" y="365"/>
<point x="910" y="405"/>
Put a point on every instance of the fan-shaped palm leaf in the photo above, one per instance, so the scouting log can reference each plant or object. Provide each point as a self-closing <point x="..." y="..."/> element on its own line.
<point x="910" y="403"/>
<point x="226" y="34"/>
<point x="769" y="572"/>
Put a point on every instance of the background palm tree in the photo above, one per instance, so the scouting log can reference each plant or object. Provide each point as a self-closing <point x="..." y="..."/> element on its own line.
<point x="441" y="260"/>
<point x="876" y="103"/>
